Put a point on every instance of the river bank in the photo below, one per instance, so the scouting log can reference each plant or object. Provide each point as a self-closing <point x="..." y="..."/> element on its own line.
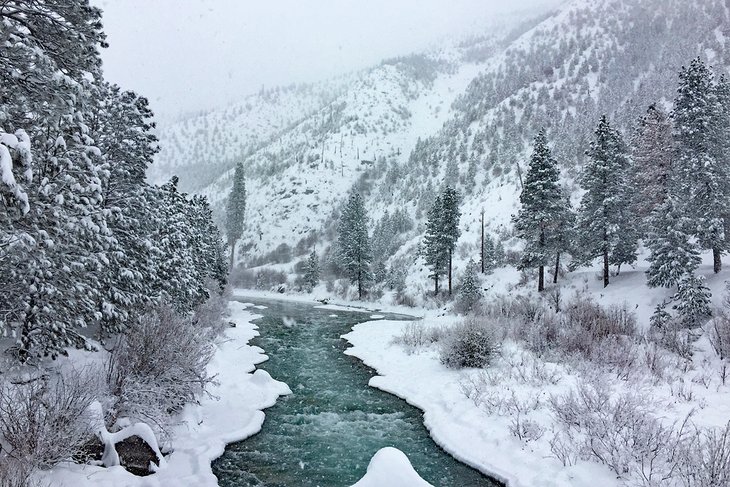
<point x="231" y="412"/>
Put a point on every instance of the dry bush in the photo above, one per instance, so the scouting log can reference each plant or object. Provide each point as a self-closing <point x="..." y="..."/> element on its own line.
<point x="44" y="421"/>
<point x="416" y="335"/>
<point x="706" y="458"/>
<point x="471" y="343"/>
<point x="159" y="366"/>
<point x="719" y="334"/>
<point x="212" y="313"/>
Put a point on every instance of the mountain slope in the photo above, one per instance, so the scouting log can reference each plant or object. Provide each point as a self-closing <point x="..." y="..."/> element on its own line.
<point x="464" y="115"/>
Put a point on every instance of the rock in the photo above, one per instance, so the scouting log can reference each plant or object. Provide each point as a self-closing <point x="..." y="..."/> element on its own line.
<point x="90" y="452"/>
<point x="135" y="455"/>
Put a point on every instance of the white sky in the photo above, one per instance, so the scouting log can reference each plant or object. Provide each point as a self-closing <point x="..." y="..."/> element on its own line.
<point x="187" y="55"/>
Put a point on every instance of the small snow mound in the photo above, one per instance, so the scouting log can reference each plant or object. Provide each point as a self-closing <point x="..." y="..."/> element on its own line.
<point x="376" y="317"/>
<point x="390" y="467"/>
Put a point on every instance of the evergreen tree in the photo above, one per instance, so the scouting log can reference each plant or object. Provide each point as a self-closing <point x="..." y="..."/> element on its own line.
<point x="436" y="258"/>
<point x="470" y="292"/>
<point x="450" y="216"/>
<point x="541" y="212"/>
<point x="605" y="225"/>
<point x="702" y="169"/>
<point x="563" y="235"/>
<point x="673" y="252"/>
<point x="236" y="210"/>
<point x="311" y="270"/>
<point x="354" y="250"/>
<point x="693" y="301"/>
<point x="652" y="150"/>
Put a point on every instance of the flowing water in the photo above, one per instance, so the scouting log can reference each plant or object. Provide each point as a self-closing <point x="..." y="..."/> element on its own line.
<point x="326" y="432"/>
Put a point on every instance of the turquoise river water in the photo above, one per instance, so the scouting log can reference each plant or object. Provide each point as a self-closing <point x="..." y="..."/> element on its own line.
<point x="326" y="432"/>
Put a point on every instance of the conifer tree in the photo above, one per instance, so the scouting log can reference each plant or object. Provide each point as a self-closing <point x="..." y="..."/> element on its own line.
<point x="450" y="216"/>
<point x="311" y="271"/>
<point x="605" y="225"/>
<point x="702" y="170"/>
<point x="541" y="212"/>
<point x="652" y="151"/>
<point x="436" y="258"/>
<point x="673" y="252"/>
<point x="693" y="301"/>
<point x="354" y="250"/>
<point x="236" y="210"/>
<point x="469" y="291"/>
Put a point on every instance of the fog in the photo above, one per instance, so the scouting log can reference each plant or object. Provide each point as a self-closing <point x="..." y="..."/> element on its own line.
<point x="193" y="54"/>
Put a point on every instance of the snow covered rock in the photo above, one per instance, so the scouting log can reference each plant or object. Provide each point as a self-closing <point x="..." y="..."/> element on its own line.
<point x="390" y="467"/>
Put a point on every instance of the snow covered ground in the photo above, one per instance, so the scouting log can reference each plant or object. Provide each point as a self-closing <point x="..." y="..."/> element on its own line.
<point x="233" y="412"/>
<point x="518" y="385"/>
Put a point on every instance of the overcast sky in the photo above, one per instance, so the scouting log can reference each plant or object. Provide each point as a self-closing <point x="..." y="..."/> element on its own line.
<point x="187" y="55"/>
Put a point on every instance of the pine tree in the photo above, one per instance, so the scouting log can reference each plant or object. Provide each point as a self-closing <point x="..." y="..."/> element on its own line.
<point x="702" y="170"/>
<point x="470" y="292"/>
<point x="673" y="252"/>
<point x="693" y="301"/>
<point x="542" y="210"/>
<point x="236" y="210"/>
<point x="605" y="225"/>
<point x="652" y="151"/>
<point x="311" y="270"/>
<point x="436" y="258"/>
<point x="450" y="216"/>
<point x="355" y="254"/>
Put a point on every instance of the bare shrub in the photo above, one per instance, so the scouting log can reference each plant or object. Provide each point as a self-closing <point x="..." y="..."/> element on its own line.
<point x="526" y="429"/>
<point x="264" y="279"/>
<point x="402" y="298"/>
<point x="471" y="343"/>
<point x="610" y="425"/>
<point x="212" y="313"/>
<point x="43" y="421"/>
<point x="158" y="367"/>
<point x="707" y="458"/>
<point x="584" y="324"/>
<point x="719" y="334"/>
<point x="416" y="335"/>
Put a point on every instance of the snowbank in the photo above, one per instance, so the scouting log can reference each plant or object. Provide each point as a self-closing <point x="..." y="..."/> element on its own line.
<point x="233" y="413"/>
<point x="390" y="467"/>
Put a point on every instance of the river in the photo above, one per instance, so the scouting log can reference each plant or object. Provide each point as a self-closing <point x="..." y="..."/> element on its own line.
<point x="326" y="432"/>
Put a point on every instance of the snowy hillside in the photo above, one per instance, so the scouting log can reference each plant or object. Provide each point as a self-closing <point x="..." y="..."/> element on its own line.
<point x="463" y="115"/>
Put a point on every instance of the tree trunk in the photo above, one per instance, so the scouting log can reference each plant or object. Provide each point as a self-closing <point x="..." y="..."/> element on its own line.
<point x="605" y="268"/>
<point x="449" y="273"/>
<point x="557" y="269"/>
<point x="436" y="283"/>
<point x="359" y="285"/>
<point x="233" y="253"/>
<point x="482" y="252"/>
<point x="541" y="279"/>
<point x="717" y="260"/>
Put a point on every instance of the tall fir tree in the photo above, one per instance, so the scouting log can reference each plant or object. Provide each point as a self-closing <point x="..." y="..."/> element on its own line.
<point x="236" y="211"/>
<point x="436" y="258"/>
<point x="652" y="151"/>
<point x="702" y="169"/>
<point x="541" y="212"/>
<point x="470" y="292"/>
<point x="311" y="271"/>
<point x="450" y="217"/>
<point x="354" y="250"/>
<point x="605" y="226"/>
<point x="673" y="253"/>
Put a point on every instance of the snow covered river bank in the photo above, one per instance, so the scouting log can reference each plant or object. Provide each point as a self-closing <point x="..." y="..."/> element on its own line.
<point x="327" y="431"/>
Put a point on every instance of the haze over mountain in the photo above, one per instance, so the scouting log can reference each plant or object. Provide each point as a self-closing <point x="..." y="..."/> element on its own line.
<point x="463" y="113"/>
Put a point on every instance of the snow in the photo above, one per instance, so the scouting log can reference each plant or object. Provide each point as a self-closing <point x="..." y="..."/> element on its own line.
<point x="390" y="467"/>
<point x="482" y="439"/>
<point x="232" y="412"/>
